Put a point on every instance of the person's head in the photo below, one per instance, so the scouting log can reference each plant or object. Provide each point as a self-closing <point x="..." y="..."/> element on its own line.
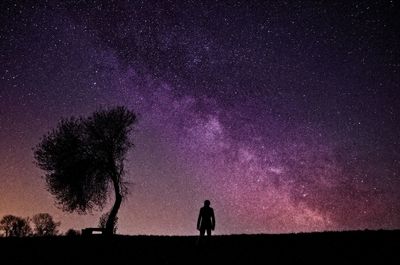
<point x="207" y="203"/>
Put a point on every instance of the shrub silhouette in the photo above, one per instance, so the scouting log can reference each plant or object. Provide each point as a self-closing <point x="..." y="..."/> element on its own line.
<point x="72" y="232"/>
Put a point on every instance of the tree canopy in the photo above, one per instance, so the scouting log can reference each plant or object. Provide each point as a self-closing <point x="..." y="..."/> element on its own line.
<point x="44" y="225"/>
<point x="15" y="226"/>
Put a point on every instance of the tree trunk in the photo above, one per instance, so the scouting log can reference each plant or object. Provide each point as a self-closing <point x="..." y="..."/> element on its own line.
<point x="113" y="213"/>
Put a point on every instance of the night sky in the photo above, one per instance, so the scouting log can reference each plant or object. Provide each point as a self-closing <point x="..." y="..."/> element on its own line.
<point x="284" y="114"/>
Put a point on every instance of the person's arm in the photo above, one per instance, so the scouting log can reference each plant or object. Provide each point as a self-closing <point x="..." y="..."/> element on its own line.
<point x="199" y="220"/>
<point x="212" y="219"/>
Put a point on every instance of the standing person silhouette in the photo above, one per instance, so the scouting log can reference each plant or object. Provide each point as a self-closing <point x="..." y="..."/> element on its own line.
<point x="206" y="220"/>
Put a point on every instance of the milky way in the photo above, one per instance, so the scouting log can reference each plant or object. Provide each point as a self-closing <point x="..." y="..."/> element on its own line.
<point x="284" y="115"/>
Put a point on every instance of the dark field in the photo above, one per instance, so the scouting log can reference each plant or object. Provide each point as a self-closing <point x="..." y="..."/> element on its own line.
<point x="377" y="247"/>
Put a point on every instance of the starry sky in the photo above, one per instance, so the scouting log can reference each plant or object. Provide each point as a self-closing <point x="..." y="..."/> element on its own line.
<point x="284" y="114"/>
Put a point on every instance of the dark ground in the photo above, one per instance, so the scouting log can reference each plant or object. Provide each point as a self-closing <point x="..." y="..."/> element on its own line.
<point x="359" y="247"/>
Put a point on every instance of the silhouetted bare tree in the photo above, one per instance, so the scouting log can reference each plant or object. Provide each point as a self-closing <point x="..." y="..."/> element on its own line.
<point x="14" y="226"/>
<point x="44" y="225"/>
<point x="83" y="156"/>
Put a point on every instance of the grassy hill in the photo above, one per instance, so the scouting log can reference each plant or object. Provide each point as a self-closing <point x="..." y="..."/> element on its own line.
<point x="378" y="247"/>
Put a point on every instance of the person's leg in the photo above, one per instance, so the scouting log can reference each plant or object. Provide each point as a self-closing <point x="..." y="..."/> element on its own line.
<point x="208" y="231"/>
<point x="202" y="231"/>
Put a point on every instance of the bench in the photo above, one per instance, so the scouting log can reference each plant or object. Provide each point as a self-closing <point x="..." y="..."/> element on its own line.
<point x="90" y="230"/>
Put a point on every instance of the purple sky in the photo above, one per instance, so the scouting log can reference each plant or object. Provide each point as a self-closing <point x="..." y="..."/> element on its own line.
<point x="285" y="116"/>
